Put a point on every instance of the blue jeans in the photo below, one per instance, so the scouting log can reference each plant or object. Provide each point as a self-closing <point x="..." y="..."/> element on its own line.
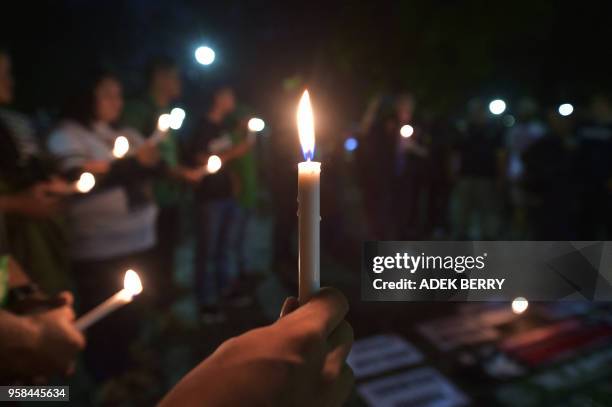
<point x="216" y="257"/>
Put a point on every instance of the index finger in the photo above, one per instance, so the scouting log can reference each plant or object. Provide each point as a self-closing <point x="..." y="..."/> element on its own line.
<point x="326" y="310"/>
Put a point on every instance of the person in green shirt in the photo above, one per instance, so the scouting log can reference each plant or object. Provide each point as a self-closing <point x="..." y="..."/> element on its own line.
<point x="244" y="169"/>
<point x="142" y="114"/>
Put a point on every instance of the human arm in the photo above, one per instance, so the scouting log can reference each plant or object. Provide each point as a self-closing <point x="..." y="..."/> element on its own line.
<point x="298" y="360"/>
<point x="39" y="344"/>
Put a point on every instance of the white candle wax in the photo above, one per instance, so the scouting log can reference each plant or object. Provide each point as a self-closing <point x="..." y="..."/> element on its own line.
<point x="118" y="300"/>
<point x="309" y="217"/>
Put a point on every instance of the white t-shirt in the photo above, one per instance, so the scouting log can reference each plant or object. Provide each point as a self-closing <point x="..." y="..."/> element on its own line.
<point x="102" y="224"/>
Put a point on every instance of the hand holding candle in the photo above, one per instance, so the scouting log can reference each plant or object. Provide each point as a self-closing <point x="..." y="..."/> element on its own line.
<point x="309" y="215"/>
<point x="131" y="287"/>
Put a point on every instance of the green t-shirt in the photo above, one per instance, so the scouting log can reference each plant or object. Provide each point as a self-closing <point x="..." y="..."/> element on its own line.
<point x="142" y="114"/>
<point x="245" y="168"/>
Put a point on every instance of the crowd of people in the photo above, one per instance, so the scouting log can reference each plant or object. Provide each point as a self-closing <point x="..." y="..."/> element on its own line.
<point x="538" y="176"/>
<point x="56" y="240"/>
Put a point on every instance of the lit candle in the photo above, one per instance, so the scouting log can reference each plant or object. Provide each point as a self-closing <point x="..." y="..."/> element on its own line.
<point x="121" y="147"/>
<point x="85" y="183"/>
<point x="212" y="166"/>
<point x="131" y="287"/>
<point x="255" y="125"/>
<point x="163" y="125"/>
<point x="406" y="131"/>
<point x="309" y="215"/>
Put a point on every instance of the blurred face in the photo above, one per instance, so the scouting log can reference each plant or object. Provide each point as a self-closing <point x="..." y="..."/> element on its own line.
<point x="108" y="100"/>
<point x="168" y="83"/>
<point x="6" y="80"/>
<point x="225" y="101"/>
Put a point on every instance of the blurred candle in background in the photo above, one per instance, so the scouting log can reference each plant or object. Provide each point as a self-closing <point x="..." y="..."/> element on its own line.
<point x="85" y="183"/>
<point x="163" y="125"/>
<point x="121" y="147"/>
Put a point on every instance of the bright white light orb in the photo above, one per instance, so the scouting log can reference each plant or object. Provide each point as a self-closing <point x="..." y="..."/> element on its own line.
<point x="519" y="305"/>
<point x="178" y="113"/>
<point x="86" y="182"/>
<point x="406" y="130"/>
<point x="256" y="124"/>
<point x="566" y="109"/>
<point x="497" y="106"/>
<point x="163" y="124"/>
<point x="205" y="55"/>
<point x="351" y="144"/>
<point x="214" y="164"/>
<point x="121" y="147"/>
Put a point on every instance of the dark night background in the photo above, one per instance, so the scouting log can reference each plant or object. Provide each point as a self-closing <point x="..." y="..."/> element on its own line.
<point x="444" y="51"/>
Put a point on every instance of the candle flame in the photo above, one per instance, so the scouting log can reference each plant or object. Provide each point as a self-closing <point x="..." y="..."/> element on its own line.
<point x="164" y="121"/>
<point x="305" y="122"/>
<point x="121" y="147"/>
<point x="214" y="164"/>
<point x="256" y="124"/>
<point x="86" y="182"/>
<point x="131" y="283"/>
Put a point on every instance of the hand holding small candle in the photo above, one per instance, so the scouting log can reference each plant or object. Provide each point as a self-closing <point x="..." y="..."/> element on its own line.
<point x="309" y="215"/>
<point x="131" y="287"/>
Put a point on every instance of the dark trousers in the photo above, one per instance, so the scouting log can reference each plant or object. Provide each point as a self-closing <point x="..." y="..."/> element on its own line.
<point x="107" y="353"/>
<point x="216" y="258"/>
<point x="168" y="230"/>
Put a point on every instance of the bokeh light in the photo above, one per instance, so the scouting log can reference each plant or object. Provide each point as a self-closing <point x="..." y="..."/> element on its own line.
<point x="256" y="124"/>
<point x="177" y="115"/>
<point x="509" y="120"/>
<point x="214" y="164"/>
<point x="121" y="147"/>
<point x="86" y="182"/>
<point x="406" y="130"/>
<point x="351" y="144"/>
<point x="497" y="106"/>
<point x="519" y="305"/>
<point x="163" y="123"/>
<point x="566" y="109"/>
<point x="205" y="55"/>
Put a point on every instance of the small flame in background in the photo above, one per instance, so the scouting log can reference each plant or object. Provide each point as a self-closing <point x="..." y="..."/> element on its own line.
<point x="214" y="164"/>
<point x="406" y="130"/>
<point x="256" y="124"/>
<point x="121" y="147"/>
<point x="519" y="305"/>
<point x="86" y="182"/>
<point x="132" y="283"/>
<point x="306" y="130"/>
<point x="163" y="123"/>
